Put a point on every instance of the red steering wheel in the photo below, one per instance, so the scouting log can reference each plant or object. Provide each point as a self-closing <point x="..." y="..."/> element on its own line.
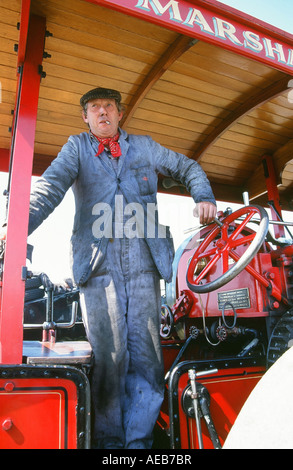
<point x="219" y="245"/>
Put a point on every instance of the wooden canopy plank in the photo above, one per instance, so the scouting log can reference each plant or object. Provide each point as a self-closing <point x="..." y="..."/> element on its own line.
<point x="7" y="85"/>
<point x="101" y="29"/>
<point x="9" y="60"/>
<point x="57" y="129"/>
<point x="257" y="133"/>
<point x="166" y="133"/>
<point x="49" y="146"/>
<point x="6" y="136"/>
<point x="58" y="48"/>
<point x="170" y="141"/>
<point x="230" y="171"/>
<point x="215" y="177"/>
<point x="45" y="148"/>
<point x="63" y="107"/>
<point x="215" y="80"/>
<point x="192" y="116"/>
<point x="9" y="17"/>
<point x="174" y="96"/>
<point x="271" y="127"/>
<point x="5" y="120"/>
<point x="77" y="9"/>
<point x="12" y="5"/>
<point x="238" y="73"/>
<point x="91" y="66"/>
<point x="241" y="155"/>
<point x="109" y="44"/>
<point x="88" y="44"/>
<point x="209" y="100"/>
<point x="268" y="118"/>
<point x="175" y="50"/>
<point x="205" y="86"/>
<point x="252" y="141"/>
<point x="55" y="117"/>
<point x="276" y="109"/>
<point x="218" y="54"/>
<point x="242" y="110"/>
<point x="224" y="161"/>
<point x="237" y="147"/>
<point x="7" y="72"/>
<point x="79" y="81"/>
<point x="9" y="36"/>
<point x="181" y="124"/>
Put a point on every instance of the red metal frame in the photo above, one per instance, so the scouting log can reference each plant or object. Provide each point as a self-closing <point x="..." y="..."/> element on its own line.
<point x="4" y="160"/>
<point x="23" y="28"/>
<point x="273" y="193"/>
<point x="215" y="23"/>
<point x="12" y="300"/>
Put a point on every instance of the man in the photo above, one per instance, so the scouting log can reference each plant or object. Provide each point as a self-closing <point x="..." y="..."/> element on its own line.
<point x="119" y="254"/>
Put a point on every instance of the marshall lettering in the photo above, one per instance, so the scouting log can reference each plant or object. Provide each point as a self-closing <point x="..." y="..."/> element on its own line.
<point x="205" y="24"/>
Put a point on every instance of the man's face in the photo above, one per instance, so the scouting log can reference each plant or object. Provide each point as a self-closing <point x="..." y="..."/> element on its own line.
<point x="102" y="117"/>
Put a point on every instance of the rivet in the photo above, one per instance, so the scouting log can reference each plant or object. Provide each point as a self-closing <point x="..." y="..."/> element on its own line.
<point x="9" y="386"/>
<point x="7" y="424"/>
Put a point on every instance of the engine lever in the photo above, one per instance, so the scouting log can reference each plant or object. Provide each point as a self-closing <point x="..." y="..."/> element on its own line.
<point x="218" y="222"/>
<point x="209" y="421"/>
<point x="195" y="399"/>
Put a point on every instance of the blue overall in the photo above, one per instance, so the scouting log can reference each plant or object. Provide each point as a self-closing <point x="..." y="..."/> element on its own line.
<point x="127" y="381"/>
<point x="119" y="275"/>
<point x="121" y="306"/>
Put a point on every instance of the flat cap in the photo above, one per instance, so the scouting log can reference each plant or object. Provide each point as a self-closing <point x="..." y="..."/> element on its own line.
<point x="100" y="93"/>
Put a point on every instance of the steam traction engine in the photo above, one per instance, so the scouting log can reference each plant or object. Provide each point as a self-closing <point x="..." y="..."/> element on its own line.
<point x="228" y="316"/>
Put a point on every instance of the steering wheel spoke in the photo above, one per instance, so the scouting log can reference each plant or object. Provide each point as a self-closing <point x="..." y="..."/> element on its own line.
<point x="225" y="259"/>
<point x="244" y="240"/>
<point x="208" y="267"/>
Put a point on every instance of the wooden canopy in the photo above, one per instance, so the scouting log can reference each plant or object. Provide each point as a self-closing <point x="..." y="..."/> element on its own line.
<point x="223" y="109"/>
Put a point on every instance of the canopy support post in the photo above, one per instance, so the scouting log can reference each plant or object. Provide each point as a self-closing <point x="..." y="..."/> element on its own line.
<point x="21" y="158"/>
<point x="273" y="194"/>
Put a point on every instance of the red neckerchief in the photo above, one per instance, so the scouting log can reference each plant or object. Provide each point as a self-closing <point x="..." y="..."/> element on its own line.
<point x="111" y="143"/>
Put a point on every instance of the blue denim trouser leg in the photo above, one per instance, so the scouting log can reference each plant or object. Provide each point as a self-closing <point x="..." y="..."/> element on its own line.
<point x="121" y="312"/>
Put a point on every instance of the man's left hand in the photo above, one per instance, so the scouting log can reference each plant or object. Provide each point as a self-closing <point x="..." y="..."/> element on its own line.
<point x="205" y="211"/>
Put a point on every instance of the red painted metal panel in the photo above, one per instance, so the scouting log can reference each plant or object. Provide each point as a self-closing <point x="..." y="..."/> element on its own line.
<point x="216" y="24"/>
<point x="38" y="413"/>
<point x="228" y="391"/>
<point x="17" y="224"/>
